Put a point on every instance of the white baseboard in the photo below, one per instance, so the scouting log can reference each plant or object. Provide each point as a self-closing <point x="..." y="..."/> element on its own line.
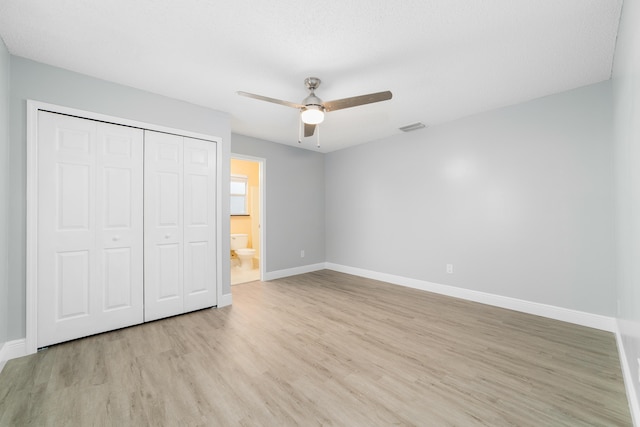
<point x="596" y="321"/>
<point x="12" y="350"/>
<point x="225" y="300"/>
<point x="632" y="395"/>
<point x="273" y="275"/>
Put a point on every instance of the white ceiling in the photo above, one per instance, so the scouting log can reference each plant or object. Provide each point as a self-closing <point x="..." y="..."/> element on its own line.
<point x="442" y="59"/>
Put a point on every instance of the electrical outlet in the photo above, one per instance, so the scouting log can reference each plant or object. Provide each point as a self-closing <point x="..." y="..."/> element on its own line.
<point x="450" y="268"/>
<point x="302" y="253"/>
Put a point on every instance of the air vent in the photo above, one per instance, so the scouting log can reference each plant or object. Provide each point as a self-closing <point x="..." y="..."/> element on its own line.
<point x="412" y="127"/>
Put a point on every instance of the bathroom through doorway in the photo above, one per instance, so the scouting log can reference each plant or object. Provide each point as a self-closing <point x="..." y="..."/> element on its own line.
<point x="247" y="219"/>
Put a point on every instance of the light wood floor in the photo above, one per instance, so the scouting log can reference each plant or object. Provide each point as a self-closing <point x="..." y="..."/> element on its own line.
<point x="326" y="348"/>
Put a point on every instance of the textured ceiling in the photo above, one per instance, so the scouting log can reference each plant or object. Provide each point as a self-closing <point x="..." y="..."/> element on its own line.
<point x="442" y="59"/>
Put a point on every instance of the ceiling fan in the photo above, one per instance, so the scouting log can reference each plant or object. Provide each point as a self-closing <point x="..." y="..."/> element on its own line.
<point x="312" y="108"/>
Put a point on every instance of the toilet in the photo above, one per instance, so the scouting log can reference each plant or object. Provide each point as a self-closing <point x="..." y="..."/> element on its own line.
<point x="239" y="244"/>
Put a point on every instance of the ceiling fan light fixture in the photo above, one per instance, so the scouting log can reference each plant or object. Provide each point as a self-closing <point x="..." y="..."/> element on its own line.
<point x="312" y="114"/>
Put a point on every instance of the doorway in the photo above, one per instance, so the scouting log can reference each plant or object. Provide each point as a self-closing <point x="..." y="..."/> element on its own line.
<point x="247" y="218"/>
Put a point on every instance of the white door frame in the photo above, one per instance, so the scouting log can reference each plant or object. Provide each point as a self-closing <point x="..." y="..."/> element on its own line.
<point x="262" y="184"/>
<point x="32" y="200"/>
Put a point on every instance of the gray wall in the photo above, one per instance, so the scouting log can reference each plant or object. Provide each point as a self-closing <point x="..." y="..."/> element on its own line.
<point x="519" y="200"/>
<point x="32" y="80"/>
<point x="294" y="202"/>
<point x="626" y="92"/>
<point x="4" y="198"/>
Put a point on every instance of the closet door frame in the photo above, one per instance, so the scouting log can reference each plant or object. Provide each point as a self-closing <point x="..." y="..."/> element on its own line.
<point x="32" y="200"/>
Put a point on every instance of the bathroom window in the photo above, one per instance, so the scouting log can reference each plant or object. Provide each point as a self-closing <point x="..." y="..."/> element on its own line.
<point x="239" y="195"/>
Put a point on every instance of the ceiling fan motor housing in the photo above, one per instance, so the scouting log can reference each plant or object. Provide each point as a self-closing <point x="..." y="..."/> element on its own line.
<point x="312" y="100"/>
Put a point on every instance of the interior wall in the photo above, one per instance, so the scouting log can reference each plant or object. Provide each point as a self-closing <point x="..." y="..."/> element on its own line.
<point x="4" y="187"/>
<point x="40" y="82"/>
<point x="294" y="202"/>
<point x="626" y="94"/>
<point x="519" y="200"/>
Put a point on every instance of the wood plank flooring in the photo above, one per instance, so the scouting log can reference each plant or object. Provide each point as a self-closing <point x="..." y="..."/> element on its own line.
<point x="331" y="349"/>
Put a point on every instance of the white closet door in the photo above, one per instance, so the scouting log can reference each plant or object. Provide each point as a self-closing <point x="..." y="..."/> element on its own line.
<point x="163" y="198"/>
<point x="89" y="227"/>
<point x="199" y="224"/>
<point x="180" y="217"/>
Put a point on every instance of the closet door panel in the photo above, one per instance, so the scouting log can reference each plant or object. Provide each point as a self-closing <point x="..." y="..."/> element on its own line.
<point x="196" y="260"/>
<point x="74" y="199"/>
<point x="66" y="245"/>
<point x="169" y="259"/>
<point x="120" y="218"/>
<point x="74" y="299"/>
<point x="118" y="197"/>
<point x="72" y="285"/>
<point x="119" y="291"/>
<point x="164" y="236"/>
<point x="199" y="227"/>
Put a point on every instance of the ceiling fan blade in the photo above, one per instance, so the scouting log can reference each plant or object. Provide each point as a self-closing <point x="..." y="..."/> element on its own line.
<point x="274" y="100"/>
<point x="354" y="101"/>
<point x="309" y="130"/>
